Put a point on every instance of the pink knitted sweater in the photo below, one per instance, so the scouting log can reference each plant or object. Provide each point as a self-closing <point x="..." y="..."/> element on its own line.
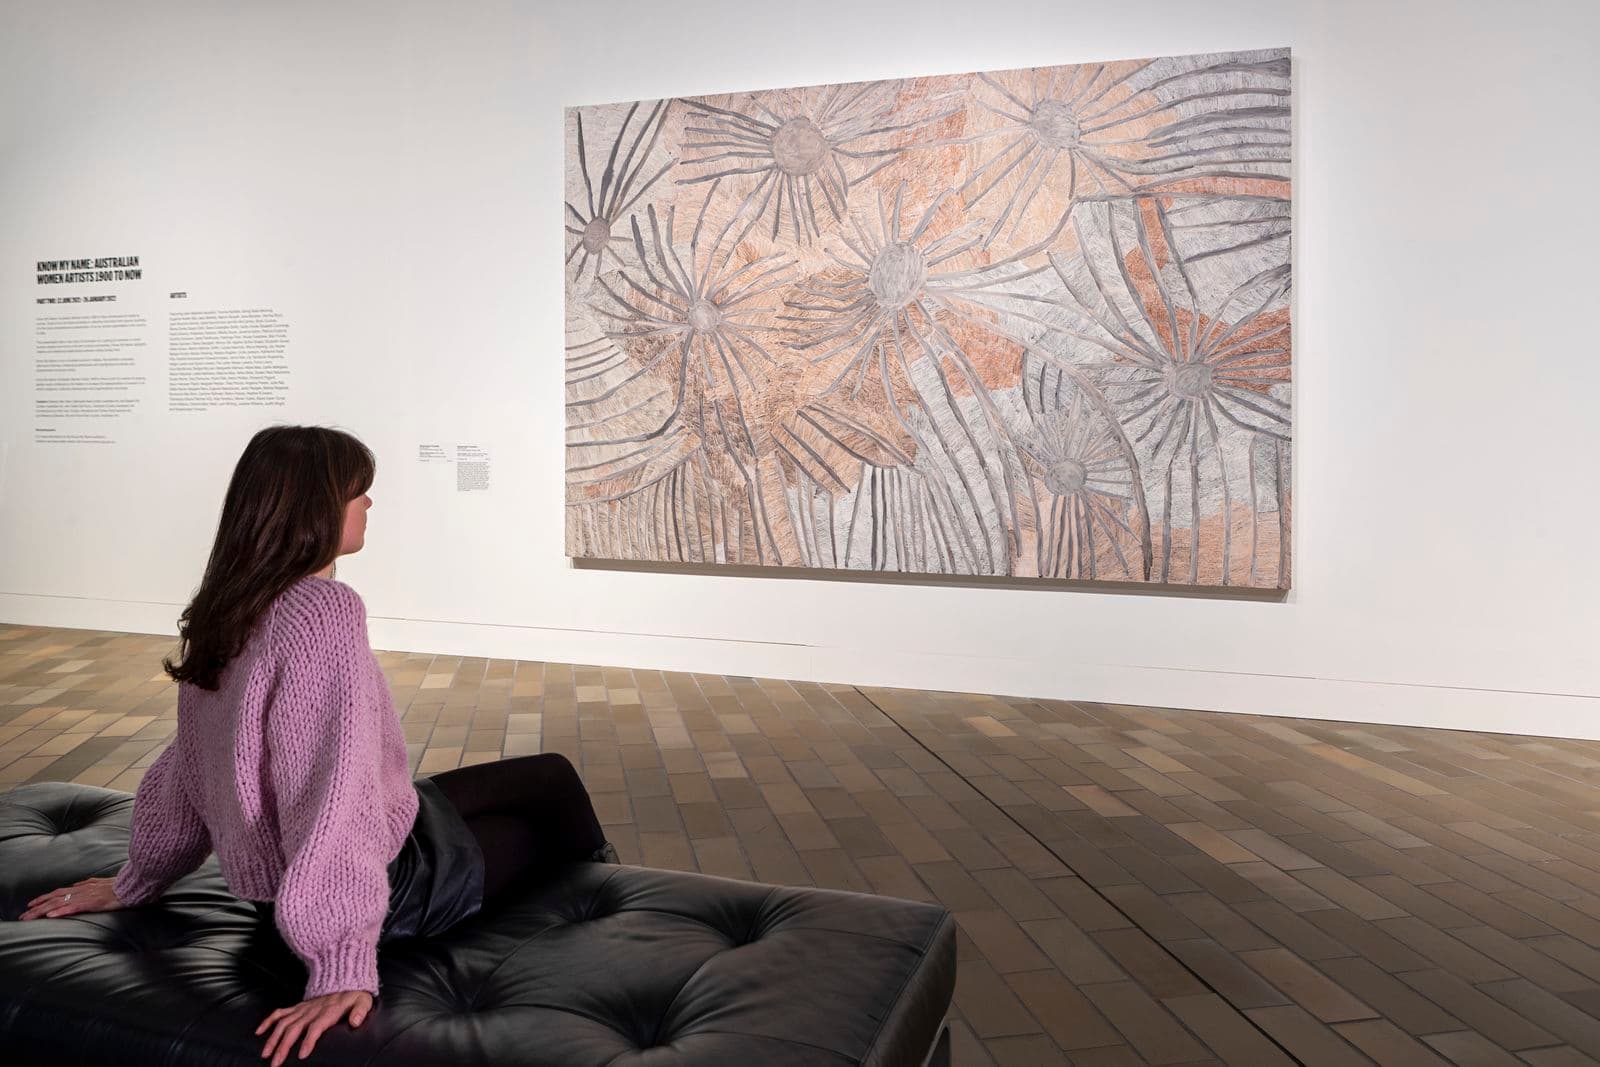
<point x="295" y="772"/>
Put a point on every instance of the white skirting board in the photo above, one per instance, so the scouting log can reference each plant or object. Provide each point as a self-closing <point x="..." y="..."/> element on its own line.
<point x="1399" y="702"/>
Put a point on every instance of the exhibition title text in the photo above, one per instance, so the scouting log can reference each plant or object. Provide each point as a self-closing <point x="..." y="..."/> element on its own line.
<point x="105" y="269"/>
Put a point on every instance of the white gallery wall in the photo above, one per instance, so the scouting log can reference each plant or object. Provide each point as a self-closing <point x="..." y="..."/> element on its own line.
<point x="387" y="177"/>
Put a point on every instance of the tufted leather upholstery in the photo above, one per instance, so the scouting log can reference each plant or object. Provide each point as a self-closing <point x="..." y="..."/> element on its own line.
<point x="591" y="964"/>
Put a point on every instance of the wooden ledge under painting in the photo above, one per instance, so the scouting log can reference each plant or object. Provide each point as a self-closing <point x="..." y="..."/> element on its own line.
<point x="1026" y="324"/>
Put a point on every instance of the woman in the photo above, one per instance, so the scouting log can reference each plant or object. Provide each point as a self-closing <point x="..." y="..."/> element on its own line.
<point x="289" y="759"/>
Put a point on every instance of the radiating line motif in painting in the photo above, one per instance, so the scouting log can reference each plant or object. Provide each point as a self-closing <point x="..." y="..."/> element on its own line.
<point x="1032" y="323"/>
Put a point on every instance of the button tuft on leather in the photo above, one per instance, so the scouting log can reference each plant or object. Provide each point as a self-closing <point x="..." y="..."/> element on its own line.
<point x="534" y="968"/>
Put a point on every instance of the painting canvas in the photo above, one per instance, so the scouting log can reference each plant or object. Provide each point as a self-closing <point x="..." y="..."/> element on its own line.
<point x="1030" y="323"/>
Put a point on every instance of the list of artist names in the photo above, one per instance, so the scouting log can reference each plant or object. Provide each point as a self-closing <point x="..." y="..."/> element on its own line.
<point x="98" y="368"/>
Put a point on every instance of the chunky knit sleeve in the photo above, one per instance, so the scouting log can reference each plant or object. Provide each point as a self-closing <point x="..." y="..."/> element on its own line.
<point x="323" y="748"/>
<point x="168" y="838"/>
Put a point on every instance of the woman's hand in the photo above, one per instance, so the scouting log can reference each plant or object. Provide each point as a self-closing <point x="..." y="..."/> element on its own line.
<point x="314" y="1016"/>
<point x="90" y="894"/>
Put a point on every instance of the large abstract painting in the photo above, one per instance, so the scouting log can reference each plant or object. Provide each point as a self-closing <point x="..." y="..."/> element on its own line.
<point x="1031" y="323"/>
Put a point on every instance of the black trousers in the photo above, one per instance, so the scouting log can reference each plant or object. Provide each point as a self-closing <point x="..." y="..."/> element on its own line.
<point x="525" y="811"/>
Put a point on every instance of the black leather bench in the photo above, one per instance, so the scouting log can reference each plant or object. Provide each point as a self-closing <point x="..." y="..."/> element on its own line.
<point x="593" y="964"/>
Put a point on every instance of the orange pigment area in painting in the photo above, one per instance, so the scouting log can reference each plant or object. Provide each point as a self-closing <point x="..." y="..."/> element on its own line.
<point x="1264" y="331"/>
<point x="1269" y="187"/>
<point x="1211" y="533"/>
<point x="997" y="360"/>
<point x="828" y="436"/>
<point x="1109" y="568"/>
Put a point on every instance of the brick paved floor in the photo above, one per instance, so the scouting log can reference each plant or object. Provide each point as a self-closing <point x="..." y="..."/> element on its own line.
<point x="1132" y="885"/>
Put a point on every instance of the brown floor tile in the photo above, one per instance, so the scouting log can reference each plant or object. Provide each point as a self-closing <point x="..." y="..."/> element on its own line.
<point x="1132" y="884"/>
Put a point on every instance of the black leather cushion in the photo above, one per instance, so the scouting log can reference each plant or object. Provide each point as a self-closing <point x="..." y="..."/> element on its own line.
<point x="591" y="964"/>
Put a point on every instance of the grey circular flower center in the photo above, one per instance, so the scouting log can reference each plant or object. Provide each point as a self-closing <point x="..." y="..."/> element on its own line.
<point x="596" y="234"/>
<point x="897" y="274"/>
<point x="704" y="315"/>
<point x="1065" y="477"/>
<point x="1054" y="124"/>
<point x="1189" y="381"/>
<point x="799" y="147"/>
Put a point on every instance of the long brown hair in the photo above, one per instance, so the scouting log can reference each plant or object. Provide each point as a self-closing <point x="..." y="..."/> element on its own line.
<point x="282" y="519"/>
